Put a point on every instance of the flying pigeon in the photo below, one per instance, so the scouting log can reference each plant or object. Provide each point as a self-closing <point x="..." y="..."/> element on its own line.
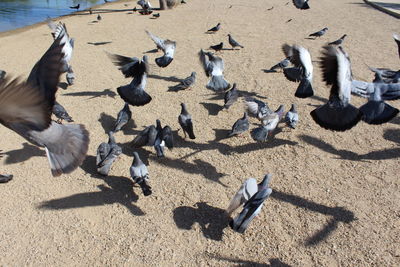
<point x="319" y="33"/>
<point x="167" y="46"/>
<point x="164" y="138"/>
<point x="245" y="192"/>
<point x="217" y="47"/>
<point x="70" y="76"/>
<point x="214" y="67"/>
<point x="233" y="42"/>
<point x="386" y="75"/>
<point x="107" y="153"/>
<point x="303" y="70"/>
<point x="292" y="117"/>
<point x="252" y="206"/>
<point x="123" y="117"/>
<point x="61" y="113"/>
<point x="133" y="93"/>
<point x="281" y="65"/>
<point x="215" y="28"/>
<point x="389" y="91"/>
<point x="338" y="114"/>
<point x="301" y="4"/>
<point x="240" y="126"/>
<point x="231" y="96"/>
<point x="185" y="121"/>
<point x="187" y="82"/>
<point x="147" y="137"/>
<point x="257" y="108"/>
<point x="338" y="41"/>
<point x="140" y="174"/>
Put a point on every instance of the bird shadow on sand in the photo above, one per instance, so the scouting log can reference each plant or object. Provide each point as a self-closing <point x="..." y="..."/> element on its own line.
<point x="338" y="214"/>
<point x="390" y="153"/>
<point x="270" y="71"/>
<point x="245" y="263"/>
<point x="23" y="154"/>
<point x="63" y="85"/>
<point x="168" y="79"/>
<point x="212" y="108"/>
<point x="211" y="220"/>
<point x="94" y="94"/>
<point x="396" y="120"/>
<point x="99" y="43"/>
<point x="392" y="135"/>
<point x="155" y="50"/>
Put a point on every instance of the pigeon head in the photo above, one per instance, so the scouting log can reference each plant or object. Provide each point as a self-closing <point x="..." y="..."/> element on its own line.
<point x="158" y="123"/>
<point x="183" y="108"/>
<point x="193" y="74"/>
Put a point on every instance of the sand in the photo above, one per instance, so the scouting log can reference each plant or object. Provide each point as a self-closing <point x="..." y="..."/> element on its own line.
<point x="336" y="195"/>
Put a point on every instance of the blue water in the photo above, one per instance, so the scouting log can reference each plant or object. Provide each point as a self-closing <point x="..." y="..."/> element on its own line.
<point x="19" y="13"/>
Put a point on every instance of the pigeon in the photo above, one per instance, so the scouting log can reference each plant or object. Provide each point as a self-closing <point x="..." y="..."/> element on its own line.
<point x="386" y="75"/>
<point x="376" y="111"/>
<point x="70" y="76"/>
<point x="303" y="70"/>
<point x="5" y="178"/>
<point x="144" y="4"/>
<point x="338" y="114"/>
<point x="145" y="12"/>
<point x="245" y="192"/>
<point x="269" y="123"/>
<point x="215" y="29"/>
<point x="214" y="67"/>
<point x="140" y="174"/>
<point x="99" y="17"/>
<point x="397" y="40"/>
<point x="257" y="108"/>
<point x="389" y="91"/>
<point x="233" y="42"/>
<point x="107" y="153"/>
<point x="90" y="11"/>
<point x="167" y="46"/>
<point x="124" y="116"/>
<point x="185" y="121"/>
<point x="133" y="93"/>
<point x="252" y="206"/>
<point x="318" y="33"/>
<point x="292" y="117"/>
<point x="75" y="7"/>
<point x="280" y="111"/>
<point x="281" y="65"/>
<point x="164" y="138"/>
<point x="147" y="137"/>
<point x="66" y="145"/>
<point x="156" y="15"/>
<point x="217" y="47"/>
<point x="240" y="126"/>
<point x="338" y="41"/>
<point x="61" y="113"/>
<point x="301" y="4"/>
<point x="231" y="96"/>
<point x="2" y="74"/>
<point x="187" y="82"/>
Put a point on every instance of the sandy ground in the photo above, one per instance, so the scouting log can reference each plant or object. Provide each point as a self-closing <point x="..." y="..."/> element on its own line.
<point x="336" y="195"/>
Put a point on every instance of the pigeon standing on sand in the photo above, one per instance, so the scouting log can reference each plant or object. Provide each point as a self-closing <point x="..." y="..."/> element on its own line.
<point x="107" y="153"/>
<point x="281" y="65"/>
<point x="215" y="28"/>
<point x="252" y="207"/>
<point x="185" y="121"/>
<point x="217" y="47"/>
<point x="188" y="82"/>
<point x="140" y="174"/>
<point x="164" y="138"/>
<point x="214" y="67"/>
<point x="257" y="108"/>
<point x="156" y="15"/>
<point x="233" y="42"/>
<point x="269" y="124"/>
<point x="240" y="126"/>
<point x="292" y="117"/>
<point x="133" y="93"/>
<point x="75" y="7"/>
<point x="301" y="4"/>
<point x="338" y="41"/>
<point x="99" y="17"/>
<point x="318" y="33"/>
<point x="231" y="96"/>
<point x="303" y="70"/>
<point x="2" y="74"/>
<point x="124" y="116"/>
<point x="61" y="113"/>
<point x="338" y="114"/>
<point x="70" y="76"/>
<point x="167" y="46"/>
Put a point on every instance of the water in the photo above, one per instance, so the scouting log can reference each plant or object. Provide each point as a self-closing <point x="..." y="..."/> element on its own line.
<point x="19" y="13"/>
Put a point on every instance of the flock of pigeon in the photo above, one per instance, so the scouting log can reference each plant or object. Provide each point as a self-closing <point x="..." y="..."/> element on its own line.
<point x="26" y="106"/>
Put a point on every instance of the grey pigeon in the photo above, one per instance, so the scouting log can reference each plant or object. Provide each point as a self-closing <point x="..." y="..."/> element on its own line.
<point x="123" y="117"/>
<point x="144" y="4"/>
<point x="338" y="114"/>
<point x="185" y="121"/>
<point x="281" y="65"/>
<point x="338" y="41"/>
<point x="5" y="178"/>
<point x="167" y="46"/>
<point x="231" y="96"/>
<point x="389" y="91"/>
<point x="2" y="74"/>
<point x="147" y="137"/>
<point x="140" y="174"/>
<point x="386" y="75"/>
<point x="301" y="4"/>
<point x="75" y="7"/>
<point x="303" y="70"/>
<point x="245" y="192"/>
<point x="269" y="124"/>
<point x="280" y="111"/>
<point x="133" y="93"/>
<point x="217" y="47"/>
<point x="61" y="113"/>
<point x="70" y="76"/>
<point x="397" y="40"/>
<point x="318" y="33"/>
<point x="292" y="117"/>
<point x="240" y="126"/>
<point x="233" y="42"/>
<point x="215" y="28"/>
<point x="65" y="145"/>
<point x="257" y="108"/>
<point x="99" y="17"/>
<point x="187" y="82"/>
<point x="252" y="207"/>
<point x="164" y="138"/>
<point x="214" y="67"/>
<point x="107" y="153"/>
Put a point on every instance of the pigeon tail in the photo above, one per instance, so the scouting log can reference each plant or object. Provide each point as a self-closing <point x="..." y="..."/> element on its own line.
<point x="292" y="74"/>
<point x="218" y="84"/>
<point x="377" y="112"/>
<point x="305" y="89"/>
<point x="134" y="97"/>
<point x="163" y="61"/>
